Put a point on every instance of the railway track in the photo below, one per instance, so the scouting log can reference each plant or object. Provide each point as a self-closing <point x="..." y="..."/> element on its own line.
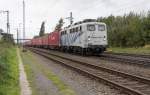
<point x="141" y="60"/>
<point x="128" y="54"/>
<point x="131" y="84"/>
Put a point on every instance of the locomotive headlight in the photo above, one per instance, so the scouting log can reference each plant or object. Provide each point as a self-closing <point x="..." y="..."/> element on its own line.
<point x="104" y="38"/>
<point x="89" y="38"/>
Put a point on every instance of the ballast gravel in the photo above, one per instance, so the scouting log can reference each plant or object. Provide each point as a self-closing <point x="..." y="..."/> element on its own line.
<point x="81" y="84"/>
<point x="120" y="66"/>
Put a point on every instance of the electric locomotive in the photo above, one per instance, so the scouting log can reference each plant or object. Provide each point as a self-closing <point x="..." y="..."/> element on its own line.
<point x="86" y="37"/>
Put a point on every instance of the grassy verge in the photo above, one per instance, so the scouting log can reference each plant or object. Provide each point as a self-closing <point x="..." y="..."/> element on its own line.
<point x="28" y="69"/>
<point x="142" y="50"/>
<point x="9" y="72"/>
<point x="62" y="87"/>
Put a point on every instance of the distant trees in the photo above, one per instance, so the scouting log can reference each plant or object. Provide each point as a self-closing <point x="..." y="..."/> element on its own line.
<point x="59" y="25"/>
<point x="36" y="36"/>
<point x="57" y="28"/>
<point x="42" y="30"/>
<point x="130" y="30"/>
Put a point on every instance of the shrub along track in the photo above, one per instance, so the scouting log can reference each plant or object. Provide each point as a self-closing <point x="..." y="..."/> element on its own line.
<point x="125" y="82"/>
<point x="134" y="59"/>
<point x="9" y="70"/>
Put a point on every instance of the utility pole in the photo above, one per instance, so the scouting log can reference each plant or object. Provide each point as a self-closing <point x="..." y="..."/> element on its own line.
<point x="17" y="37"/>
<point x="20" y="30"/>
<point x="8" y="25"/>
<point x="23" y="19"/>
<point x="70" y="18"/>
<point x="23" y="24"/>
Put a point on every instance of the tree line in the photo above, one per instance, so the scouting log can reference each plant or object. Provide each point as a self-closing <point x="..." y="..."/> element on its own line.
<point x="58" y="27"/>
<point x="129" y="30"/>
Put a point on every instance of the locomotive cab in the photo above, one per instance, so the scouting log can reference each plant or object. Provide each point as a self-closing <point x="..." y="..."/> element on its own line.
<point x="96" y="36"/>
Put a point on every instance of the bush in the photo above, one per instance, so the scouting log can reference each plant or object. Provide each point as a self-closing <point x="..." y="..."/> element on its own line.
<point x="130" y="30"/>
<point x="9" y="73"/>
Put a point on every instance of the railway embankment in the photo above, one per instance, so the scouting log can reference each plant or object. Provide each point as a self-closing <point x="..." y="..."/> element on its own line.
<point x="9" y="70"/>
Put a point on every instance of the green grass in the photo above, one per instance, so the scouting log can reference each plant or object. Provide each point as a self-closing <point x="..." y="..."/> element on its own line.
<point x="142" y="50"/>
<point x="62" y="87"/>
<point x="9" y="72"/>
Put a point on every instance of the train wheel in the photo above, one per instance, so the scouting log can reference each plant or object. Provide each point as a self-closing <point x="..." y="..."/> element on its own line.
<point x="83" y="51"/>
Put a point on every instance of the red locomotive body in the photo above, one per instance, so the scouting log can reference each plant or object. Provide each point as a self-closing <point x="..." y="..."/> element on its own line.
<point x="54" y="40"/>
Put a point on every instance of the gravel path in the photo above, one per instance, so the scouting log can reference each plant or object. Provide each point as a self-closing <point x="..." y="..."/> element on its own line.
<point x="24" y="84"/>
<point x="82" y="85"/>
<point x="40" y="84"/>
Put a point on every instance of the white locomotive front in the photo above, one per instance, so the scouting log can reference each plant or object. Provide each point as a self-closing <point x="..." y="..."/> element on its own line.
<point x="87" y="37"/>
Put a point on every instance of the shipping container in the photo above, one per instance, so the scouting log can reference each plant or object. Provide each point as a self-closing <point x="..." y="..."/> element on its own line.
<point x="45" y="41"/>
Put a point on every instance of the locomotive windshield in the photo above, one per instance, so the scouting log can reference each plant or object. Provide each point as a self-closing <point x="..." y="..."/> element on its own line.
<point x="101" y="27"/>
<point x="91" y="27"/>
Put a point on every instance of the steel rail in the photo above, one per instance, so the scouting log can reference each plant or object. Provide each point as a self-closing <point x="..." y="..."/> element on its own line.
<point x="127" y="58"/>
<point x="94" y="74"/>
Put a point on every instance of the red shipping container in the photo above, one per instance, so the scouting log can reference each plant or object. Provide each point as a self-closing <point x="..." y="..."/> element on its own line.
<point x="28" y="43"/>
<point x="39" y="41"/>
<point x="45" y="40"/>
<point x="33" y="42"/>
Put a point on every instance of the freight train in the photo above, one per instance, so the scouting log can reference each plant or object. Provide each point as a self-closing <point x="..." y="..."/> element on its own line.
<point x="84" y="37"/>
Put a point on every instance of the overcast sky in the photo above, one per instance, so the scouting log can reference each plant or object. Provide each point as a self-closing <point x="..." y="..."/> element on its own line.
<point x="51" y="10"/>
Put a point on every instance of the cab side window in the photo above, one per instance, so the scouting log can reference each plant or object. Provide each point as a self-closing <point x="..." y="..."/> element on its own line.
<point x="101" y="27"/>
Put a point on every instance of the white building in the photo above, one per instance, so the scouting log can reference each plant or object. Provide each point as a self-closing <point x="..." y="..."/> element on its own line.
<point x="0" y="35"/>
